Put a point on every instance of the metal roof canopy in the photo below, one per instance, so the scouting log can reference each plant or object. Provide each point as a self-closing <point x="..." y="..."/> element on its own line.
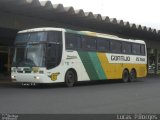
<point x="78" y="18"/>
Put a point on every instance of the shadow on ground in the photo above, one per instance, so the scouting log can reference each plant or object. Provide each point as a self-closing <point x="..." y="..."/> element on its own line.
<point x="62" y="85"/>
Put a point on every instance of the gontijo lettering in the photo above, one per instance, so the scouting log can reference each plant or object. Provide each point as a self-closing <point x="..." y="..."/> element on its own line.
<point x="120" y="58"/>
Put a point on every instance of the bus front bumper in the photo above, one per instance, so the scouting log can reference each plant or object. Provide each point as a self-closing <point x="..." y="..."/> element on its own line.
<point x="28" y="78"/>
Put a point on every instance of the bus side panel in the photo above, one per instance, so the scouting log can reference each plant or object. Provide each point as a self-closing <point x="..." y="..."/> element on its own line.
<point x="73" y="60"/>
<point x="141" y="69"/>
<point x="112" y="71"/>
<point x="98" y="66"/>
<point x="92" y="65"/>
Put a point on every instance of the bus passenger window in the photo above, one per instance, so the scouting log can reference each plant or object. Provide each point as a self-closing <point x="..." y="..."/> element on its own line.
<point x="89" y="43"/>
<point x="103" y="45"/>
<point x="55" y="36"/>
<point x="126" y="48"/>
<point x="72" y="41"/>
<point x="136" y="49"/>
<point x="142" y="50"/>
<point x="115" y="46"/>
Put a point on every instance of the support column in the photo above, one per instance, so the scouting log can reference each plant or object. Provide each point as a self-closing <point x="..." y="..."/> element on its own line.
<point x="156" y="61"/>
<point x="9" y="63"/>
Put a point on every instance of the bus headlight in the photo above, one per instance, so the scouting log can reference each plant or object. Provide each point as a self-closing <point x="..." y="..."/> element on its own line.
<point x="13" y="77"/>
<point x="35" y="69"/>
<point x="37" y="77"/>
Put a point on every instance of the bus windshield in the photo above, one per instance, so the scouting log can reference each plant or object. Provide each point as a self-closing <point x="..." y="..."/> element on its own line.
<point x="31" y="37"/>
<point x="32" y="55"/>
<point x="38" y="49"/>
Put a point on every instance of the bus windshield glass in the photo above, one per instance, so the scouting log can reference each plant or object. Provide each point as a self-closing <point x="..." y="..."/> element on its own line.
<point x="31" y="37"/>
<point x="37" y="49"/>
<point x="32" y="55"/>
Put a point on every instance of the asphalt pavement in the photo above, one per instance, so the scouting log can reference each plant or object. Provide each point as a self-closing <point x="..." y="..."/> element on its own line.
<point x="100" y="97"/>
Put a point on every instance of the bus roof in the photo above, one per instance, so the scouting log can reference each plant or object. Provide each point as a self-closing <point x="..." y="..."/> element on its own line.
<point x="42" y="29"/>
<point x="102" y="35"/>
<point x="89" y="33"/>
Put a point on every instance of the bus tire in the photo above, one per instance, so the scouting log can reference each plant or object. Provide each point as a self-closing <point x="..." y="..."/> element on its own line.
<point x="132" y="75"/>
<point x="70" y="78"/>
<point x="125" y="76"/>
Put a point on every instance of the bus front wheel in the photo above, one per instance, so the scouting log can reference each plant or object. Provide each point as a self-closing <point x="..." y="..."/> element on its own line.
<point x="125" y="76"/>
<point x="70" y="78"/>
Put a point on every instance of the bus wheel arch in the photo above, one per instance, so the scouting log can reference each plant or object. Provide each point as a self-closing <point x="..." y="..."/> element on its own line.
<point x="125" y="75"/>
<point x="132" y="75"/>
<point x="71" y="77"/>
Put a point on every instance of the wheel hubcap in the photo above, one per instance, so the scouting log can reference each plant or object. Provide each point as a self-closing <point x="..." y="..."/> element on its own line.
<point x="125" y="76"/>
<point x="132" y="76"/>
<point x="70" y="78"/>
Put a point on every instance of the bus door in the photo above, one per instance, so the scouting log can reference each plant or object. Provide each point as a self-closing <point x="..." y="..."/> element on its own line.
<point x="54" y="53"/>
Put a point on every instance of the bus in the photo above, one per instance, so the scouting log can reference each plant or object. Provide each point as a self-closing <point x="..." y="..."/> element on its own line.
<point x="54" y="55"/>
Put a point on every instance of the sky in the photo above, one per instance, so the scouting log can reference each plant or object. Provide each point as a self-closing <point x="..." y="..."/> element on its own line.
<point x="143" y="12"/>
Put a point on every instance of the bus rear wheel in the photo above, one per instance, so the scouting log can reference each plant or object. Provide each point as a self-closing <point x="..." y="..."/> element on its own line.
<point x="70" y="78"/>
<point x="125" y="76"/>
<point x="132" y="75"/>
